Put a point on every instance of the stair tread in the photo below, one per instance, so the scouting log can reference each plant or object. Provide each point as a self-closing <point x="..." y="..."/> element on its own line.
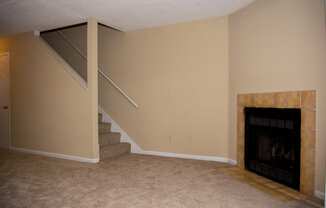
<point x="103" y="122"/>
<point x="104" y="132"/>
<point x="120" y="144"/>
<point x="111" y="133"/>
<point x="109" y="142"/>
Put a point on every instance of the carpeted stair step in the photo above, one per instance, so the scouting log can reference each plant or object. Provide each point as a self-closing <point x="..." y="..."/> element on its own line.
<point x="109" y="138"/>
<point x="115" y="150"/>
<point x="100" y="117"/>
<point x="104" y="128"/>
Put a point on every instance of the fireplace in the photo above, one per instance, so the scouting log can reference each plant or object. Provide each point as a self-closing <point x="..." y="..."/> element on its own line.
<point x="272" y="143"/>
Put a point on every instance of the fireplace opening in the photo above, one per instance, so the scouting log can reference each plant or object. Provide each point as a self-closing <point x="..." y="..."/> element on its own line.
<point x="272" y="144"/>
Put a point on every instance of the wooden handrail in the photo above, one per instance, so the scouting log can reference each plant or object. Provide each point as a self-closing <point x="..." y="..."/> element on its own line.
<point x="107" y="78"/>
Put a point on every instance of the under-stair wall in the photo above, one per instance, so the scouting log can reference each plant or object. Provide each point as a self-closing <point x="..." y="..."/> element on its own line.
<point x="70" y="43"/>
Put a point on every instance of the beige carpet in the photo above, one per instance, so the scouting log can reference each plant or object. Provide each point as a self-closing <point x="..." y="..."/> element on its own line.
<point x="129" y="181"/>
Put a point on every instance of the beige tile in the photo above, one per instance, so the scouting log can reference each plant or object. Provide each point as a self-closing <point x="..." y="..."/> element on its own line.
<point x="307" y="171"/>
<point x="264" y="100"/>
<point x="241" y="131"/>
<point x="308" y="140"/>
<point x="296" y="99"/>
<point x="308" y="99"/>
<point x="287" y="99"/>
<point x="307" y="187"/>
<point x="290" y="193"/>
<point x="308" y="120"/>
<point x="274" y="185"/>
<point x="245" y="100"/>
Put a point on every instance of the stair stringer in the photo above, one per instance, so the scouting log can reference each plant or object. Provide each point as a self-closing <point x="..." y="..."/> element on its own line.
<point x="135" y="148"/>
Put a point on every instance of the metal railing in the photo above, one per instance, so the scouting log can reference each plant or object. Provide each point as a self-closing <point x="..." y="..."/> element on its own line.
<point x="105" y="76"/>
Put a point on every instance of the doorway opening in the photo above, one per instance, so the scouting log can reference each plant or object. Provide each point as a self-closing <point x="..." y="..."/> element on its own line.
<point x="5" y="141"/>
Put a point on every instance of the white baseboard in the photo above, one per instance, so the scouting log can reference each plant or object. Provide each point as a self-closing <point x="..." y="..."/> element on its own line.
<point x="320" y="195"/>
<point x="188" y="156"/>
<point x="56" y="155"/>
<point x="136" y="149"/>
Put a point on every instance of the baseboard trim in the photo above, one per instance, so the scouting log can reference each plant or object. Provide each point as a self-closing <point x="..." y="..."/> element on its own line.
<point x="136" y="149"/>
<point x="188" y="156"/>
<point x="320" y="195"/>
<point x="56" y="155"/>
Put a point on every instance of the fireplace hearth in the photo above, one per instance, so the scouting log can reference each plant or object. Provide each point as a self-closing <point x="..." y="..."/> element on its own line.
<point x="272" y="143"/>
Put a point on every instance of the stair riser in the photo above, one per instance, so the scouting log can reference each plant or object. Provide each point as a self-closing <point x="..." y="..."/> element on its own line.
<point x="110" y="145"/>
<point x="104" y="127"/>
<point x="108" y="139"/>
<point x="114" y="150"/>
<point x="100" y="117"/>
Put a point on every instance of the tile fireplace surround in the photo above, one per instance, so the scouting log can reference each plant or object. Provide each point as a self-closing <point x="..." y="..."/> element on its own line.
<point x="306" y="101"/>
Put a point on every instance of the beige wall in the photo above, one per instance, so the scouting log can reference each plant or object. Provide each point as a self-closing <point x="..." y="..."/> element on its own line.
<point x="178" y="75"/>
<point x="77" y="37"/>
<point x="184" y="78"/>
<point x="51" y="111"/>
<point x="280" y="45"/>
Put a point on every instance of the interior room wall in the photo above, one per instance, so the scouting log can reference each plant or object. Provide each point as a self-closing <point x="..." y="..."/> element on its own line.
<point x="185" y="78"/>
<point x="178" y="75"/>
<point x="280" y="45"/>
<point x="51" y="111"/>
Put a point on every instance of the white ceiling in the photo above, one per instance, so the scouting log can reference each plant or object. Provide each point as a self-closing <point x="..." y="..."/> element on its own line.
<point x="27" y="15"/>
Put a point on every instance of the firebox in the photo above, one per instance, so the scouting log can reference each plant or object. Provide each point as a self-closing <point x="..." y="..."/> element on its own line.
<point x="272" y="144"/>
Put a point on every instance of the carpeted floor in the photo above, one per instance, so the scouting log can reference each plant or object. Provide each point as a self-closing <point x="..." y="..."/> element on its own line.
<point x="129" y="181"/>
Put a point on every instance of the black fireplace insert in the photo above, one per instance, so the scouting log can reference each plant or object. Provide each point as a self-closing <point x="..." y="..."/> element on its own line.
<point x="272" y="144"/>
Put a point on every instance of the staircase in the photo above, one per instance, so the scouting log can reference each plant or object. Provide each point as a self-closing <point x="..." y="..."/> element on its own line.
<point x="110" y="145"/>
<point x="72" y="53"/>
